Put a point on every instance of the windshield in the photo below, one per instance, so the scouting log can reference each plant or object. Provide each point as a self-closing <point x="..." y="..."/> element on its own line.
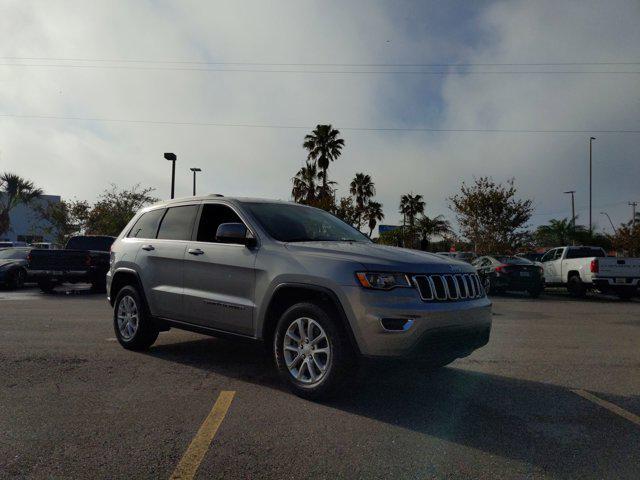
<point x="514" y="260"/>
<point x="13" y="253"/>
<point x="294" y="223"/>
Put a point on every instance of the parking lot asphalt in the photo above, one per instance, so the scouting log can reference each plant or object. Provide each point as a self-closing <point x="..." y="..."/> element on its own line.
<point x="74" y="404"/>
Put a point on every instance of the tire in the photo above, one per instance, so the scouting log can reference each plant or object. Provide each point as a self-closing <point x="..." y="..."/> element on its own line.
<point x="134" y="327"/>
<point x="18" y="278"/>
<point x="331" y="369"/>
<point x="576" y="287"/>
<point x="486" y="284"/>
<point x="47" y="286"/>
<point x="99" y="286"/>
<point x="535" y="292"/>
<point x="625" y="295"/>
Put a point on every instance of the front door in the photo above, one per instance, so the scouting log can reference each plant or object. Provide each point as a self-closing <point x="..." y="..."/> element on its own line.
<point x="219" y="281"/>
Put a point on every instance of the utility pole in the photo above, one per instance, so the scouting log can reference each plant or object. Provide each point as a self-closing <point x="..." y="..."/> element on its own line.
<point x="172" y="158"/>
<point x="591" y="139"/>
<point x="633" y="206"/>
<point x="573" y="208"/>
<point x="195" y="170"/>
<point x="612" y="226"/>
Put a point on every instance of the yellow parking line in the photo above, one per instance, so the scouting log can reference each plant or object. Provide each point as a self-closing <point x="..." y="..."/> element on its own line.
<point x="191" y="459"/>
<point x="612" y="407"/>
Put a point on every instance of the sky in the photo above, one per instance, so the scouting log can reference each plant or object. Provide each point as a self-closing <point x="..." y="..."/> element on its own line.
<point x="93" y="93"/>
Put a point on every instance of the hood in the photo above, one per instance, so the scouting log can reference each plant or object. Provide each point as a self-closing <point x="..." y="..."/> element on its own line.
<point x="381" y="257"/>
<point x="5" y="262"/>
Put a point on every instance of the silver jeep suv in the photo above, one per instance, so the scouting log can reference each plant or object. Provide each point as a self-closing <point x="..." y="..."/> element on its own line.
<point x="316" y="290"/>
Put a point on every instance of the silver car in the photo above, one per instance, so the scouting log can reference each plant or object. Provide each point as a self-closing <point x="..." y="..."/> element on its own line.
<point x="315" y="289"/>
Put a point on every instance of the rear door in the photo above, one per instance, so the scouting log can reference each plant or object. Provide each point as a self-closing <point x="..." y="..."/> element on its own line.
<point x="219" y="282"/>
<point x="161" y="261"/>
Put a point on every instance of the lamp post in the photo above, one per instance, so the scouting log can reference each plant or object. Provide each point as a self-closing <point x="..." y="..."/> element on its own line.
<point x="172" y="158"/>
<point x="195" y="170"/>
<point x="612" y="227"/>
<point x="573" y="208"/>
<point x="591" y="139"/>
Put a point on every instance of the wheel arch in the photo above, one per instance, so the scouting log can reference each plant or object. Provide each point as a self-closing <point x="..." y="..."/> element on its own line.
<point x="287" y="294"/>
<point x="121" y="278"/>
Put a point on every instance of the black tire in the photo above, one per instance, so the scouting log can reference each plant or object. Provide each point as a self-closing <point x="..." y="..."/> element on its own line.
<point x="146" y="331"/>
<point x="18" y="278"/>
<point x="576" y="287"/>
<point x="535" y="292"/>
<point x="339" y="365"/>
<point x="486" y="284"/>
<point x="47" y="286"/>
<point x="626" y="295"/>
<point x="99" y="286"/>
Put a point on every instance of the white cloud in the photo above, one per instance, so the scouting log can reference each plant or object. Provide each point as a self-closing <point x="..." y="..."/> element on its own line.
<point x="81" y="158"/>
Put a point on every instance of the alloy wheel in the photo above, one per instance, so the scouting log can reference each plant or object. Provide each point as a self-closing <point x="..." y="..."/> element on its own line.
<point x="307" y="352"/>
<point x="128" y="318"/>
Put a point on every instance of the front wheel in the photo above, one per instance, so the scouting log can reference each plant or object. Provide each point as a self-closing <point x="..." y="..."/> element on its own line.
<point x="312" y="352"/>
<point x="18" y="279"/>
<point x="132" y="324"/>
<point x="486" y="284"/>
<point x="47" y="286"/>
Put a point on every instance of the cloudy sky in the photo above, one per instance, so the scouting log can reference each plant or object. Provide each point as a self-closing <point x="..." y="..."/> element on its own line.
<point x="93" y="93"/>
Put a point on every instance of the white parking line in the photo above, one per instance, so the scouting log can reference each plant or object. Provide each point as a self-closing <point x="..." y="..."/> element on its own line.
<point x="612" y="407"/>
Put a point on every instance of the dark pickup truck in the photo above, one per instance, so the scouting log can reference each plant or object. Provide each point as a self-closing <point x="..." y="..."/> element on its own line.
<point x="85" y="259"/>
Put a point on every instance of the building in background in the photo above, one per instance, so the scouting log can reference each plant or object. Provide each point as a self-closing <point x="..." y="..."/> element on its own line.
<point x="26" y="224"/>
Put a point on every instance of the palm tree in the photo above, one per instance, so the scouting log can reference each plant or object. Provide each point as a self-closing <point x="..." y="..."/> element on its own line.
<point x="410" y="207"/>
<point x="362" y="188"/>
<point x="429" y="227"/>
<point x="560" y="232"/>
<point x="373" y="214"/>
<point x="324" y="147"/>
<point x="304" y="188"/>
<point x="14" y="190"/>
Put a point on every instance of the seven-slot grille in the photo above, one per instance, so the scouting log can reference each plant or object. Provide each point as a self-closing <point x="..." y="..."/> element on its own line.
<point x="448" y="287"/>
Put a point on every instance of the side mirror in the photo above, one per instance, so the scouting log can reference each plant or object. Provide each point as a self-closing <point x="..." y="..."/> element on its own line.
<point x="234" y="233"/>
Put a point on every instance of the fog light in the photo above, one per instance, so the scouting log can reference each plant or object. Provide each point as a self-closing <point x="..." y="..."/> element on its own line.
<point x="396" y="324"/>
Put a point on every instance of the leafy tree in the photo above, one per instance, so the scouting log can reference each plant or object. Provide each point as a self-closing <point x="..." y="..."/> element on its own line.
<point x="431" y="227"/>
<point x="627" y="238"/>
<point x="373" y="214"/>
<point x="65" y="218"/>
<point x="14" y="191"/>
<point x="305" y="189"/>
<point x="324" y="146"/>
<point x="114" y="208"/>
<point x="362" y="189"/>
<point x="559" y="232"/>
<point x="345" y="210"/>
<point x="490" y="215"/>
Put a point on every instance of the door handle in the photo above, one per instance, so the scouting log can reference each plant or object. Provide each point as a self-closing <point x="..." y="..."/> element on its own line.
<point x="195" y="251"/>
<point x="148" y="248"/>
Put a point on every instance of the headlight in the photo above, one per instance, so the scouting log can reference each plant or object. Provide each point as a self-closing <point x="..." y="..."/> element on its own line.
<point x="382" y="280"/>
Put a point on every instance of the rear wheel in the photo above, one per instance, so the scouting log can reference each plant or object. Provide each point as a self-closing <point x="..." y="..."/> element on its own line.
<point x="18" y="278"/>
<point x="134" y="327"/>
<point x="576" y="287"/>
<point x="47" y="286"/>
<point x="312" y="352"/>
<point x="535" y="292"/>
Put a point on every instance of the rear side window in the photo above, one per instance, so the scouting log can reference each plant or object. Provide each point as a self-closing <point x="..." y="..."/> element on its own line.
<point x="147" y="224"/>
<point x="584" y="252"/>
<point x="177" y="223"/>
<point x="211" y="218"/>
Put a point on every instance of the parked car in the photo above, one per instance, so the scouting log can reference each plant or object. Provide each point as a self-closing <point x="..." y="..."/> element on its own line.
<point x="582" y="268"/>
<point x="44" y="245"/>
<point x="8" y="244"/>
<point x="85" y="259"/>
<point x="503" y="273"/>
<point x="446" y="254"/>
<point x="468" y="257"/>
<point x="313" y="288"/>
<point x="531" y="256"/>
<point x="13" y="266"/>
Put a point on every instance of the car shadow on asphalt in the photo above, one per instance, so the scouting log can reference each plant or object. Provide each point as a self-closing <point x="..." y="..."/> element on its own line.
<point x="540" y="424"/>
<point x="553" y="296"/>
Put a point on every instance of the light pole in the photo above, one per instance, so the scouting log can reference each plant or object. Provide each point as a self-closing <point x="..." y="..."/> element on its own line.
<point x="591" y="139"/>
<point x="633" y="206"/>
<point x="573" y="208"/>
<point x="612" y="227"/>
<point x="195" y="170"/>
<point x="172" y="158"/>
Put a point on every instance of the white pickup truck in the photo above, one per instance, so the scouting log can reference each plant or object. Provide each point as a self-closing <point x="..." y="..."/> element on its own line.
<point x="584" y="268"/>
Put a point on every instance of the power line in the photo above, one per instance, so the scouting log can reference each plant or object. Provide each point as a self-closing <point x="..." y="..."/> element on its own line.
<point x="318" y="64"/>
<point x="306" y="127"/>
<point x="331" y="72"/>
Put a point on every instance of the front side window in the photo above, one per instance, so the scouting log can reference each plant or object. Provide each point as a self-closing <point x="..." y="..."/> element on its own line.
<point x="147" y="224"/>
<point x="177" y="223"/>
<point x="297" y="223"/>
<point x="212" y="216"/>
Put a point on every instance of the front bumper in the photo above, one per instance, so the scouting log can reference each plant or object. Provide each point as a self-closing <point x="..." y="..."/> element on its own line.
<point x="437" y="328"/>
